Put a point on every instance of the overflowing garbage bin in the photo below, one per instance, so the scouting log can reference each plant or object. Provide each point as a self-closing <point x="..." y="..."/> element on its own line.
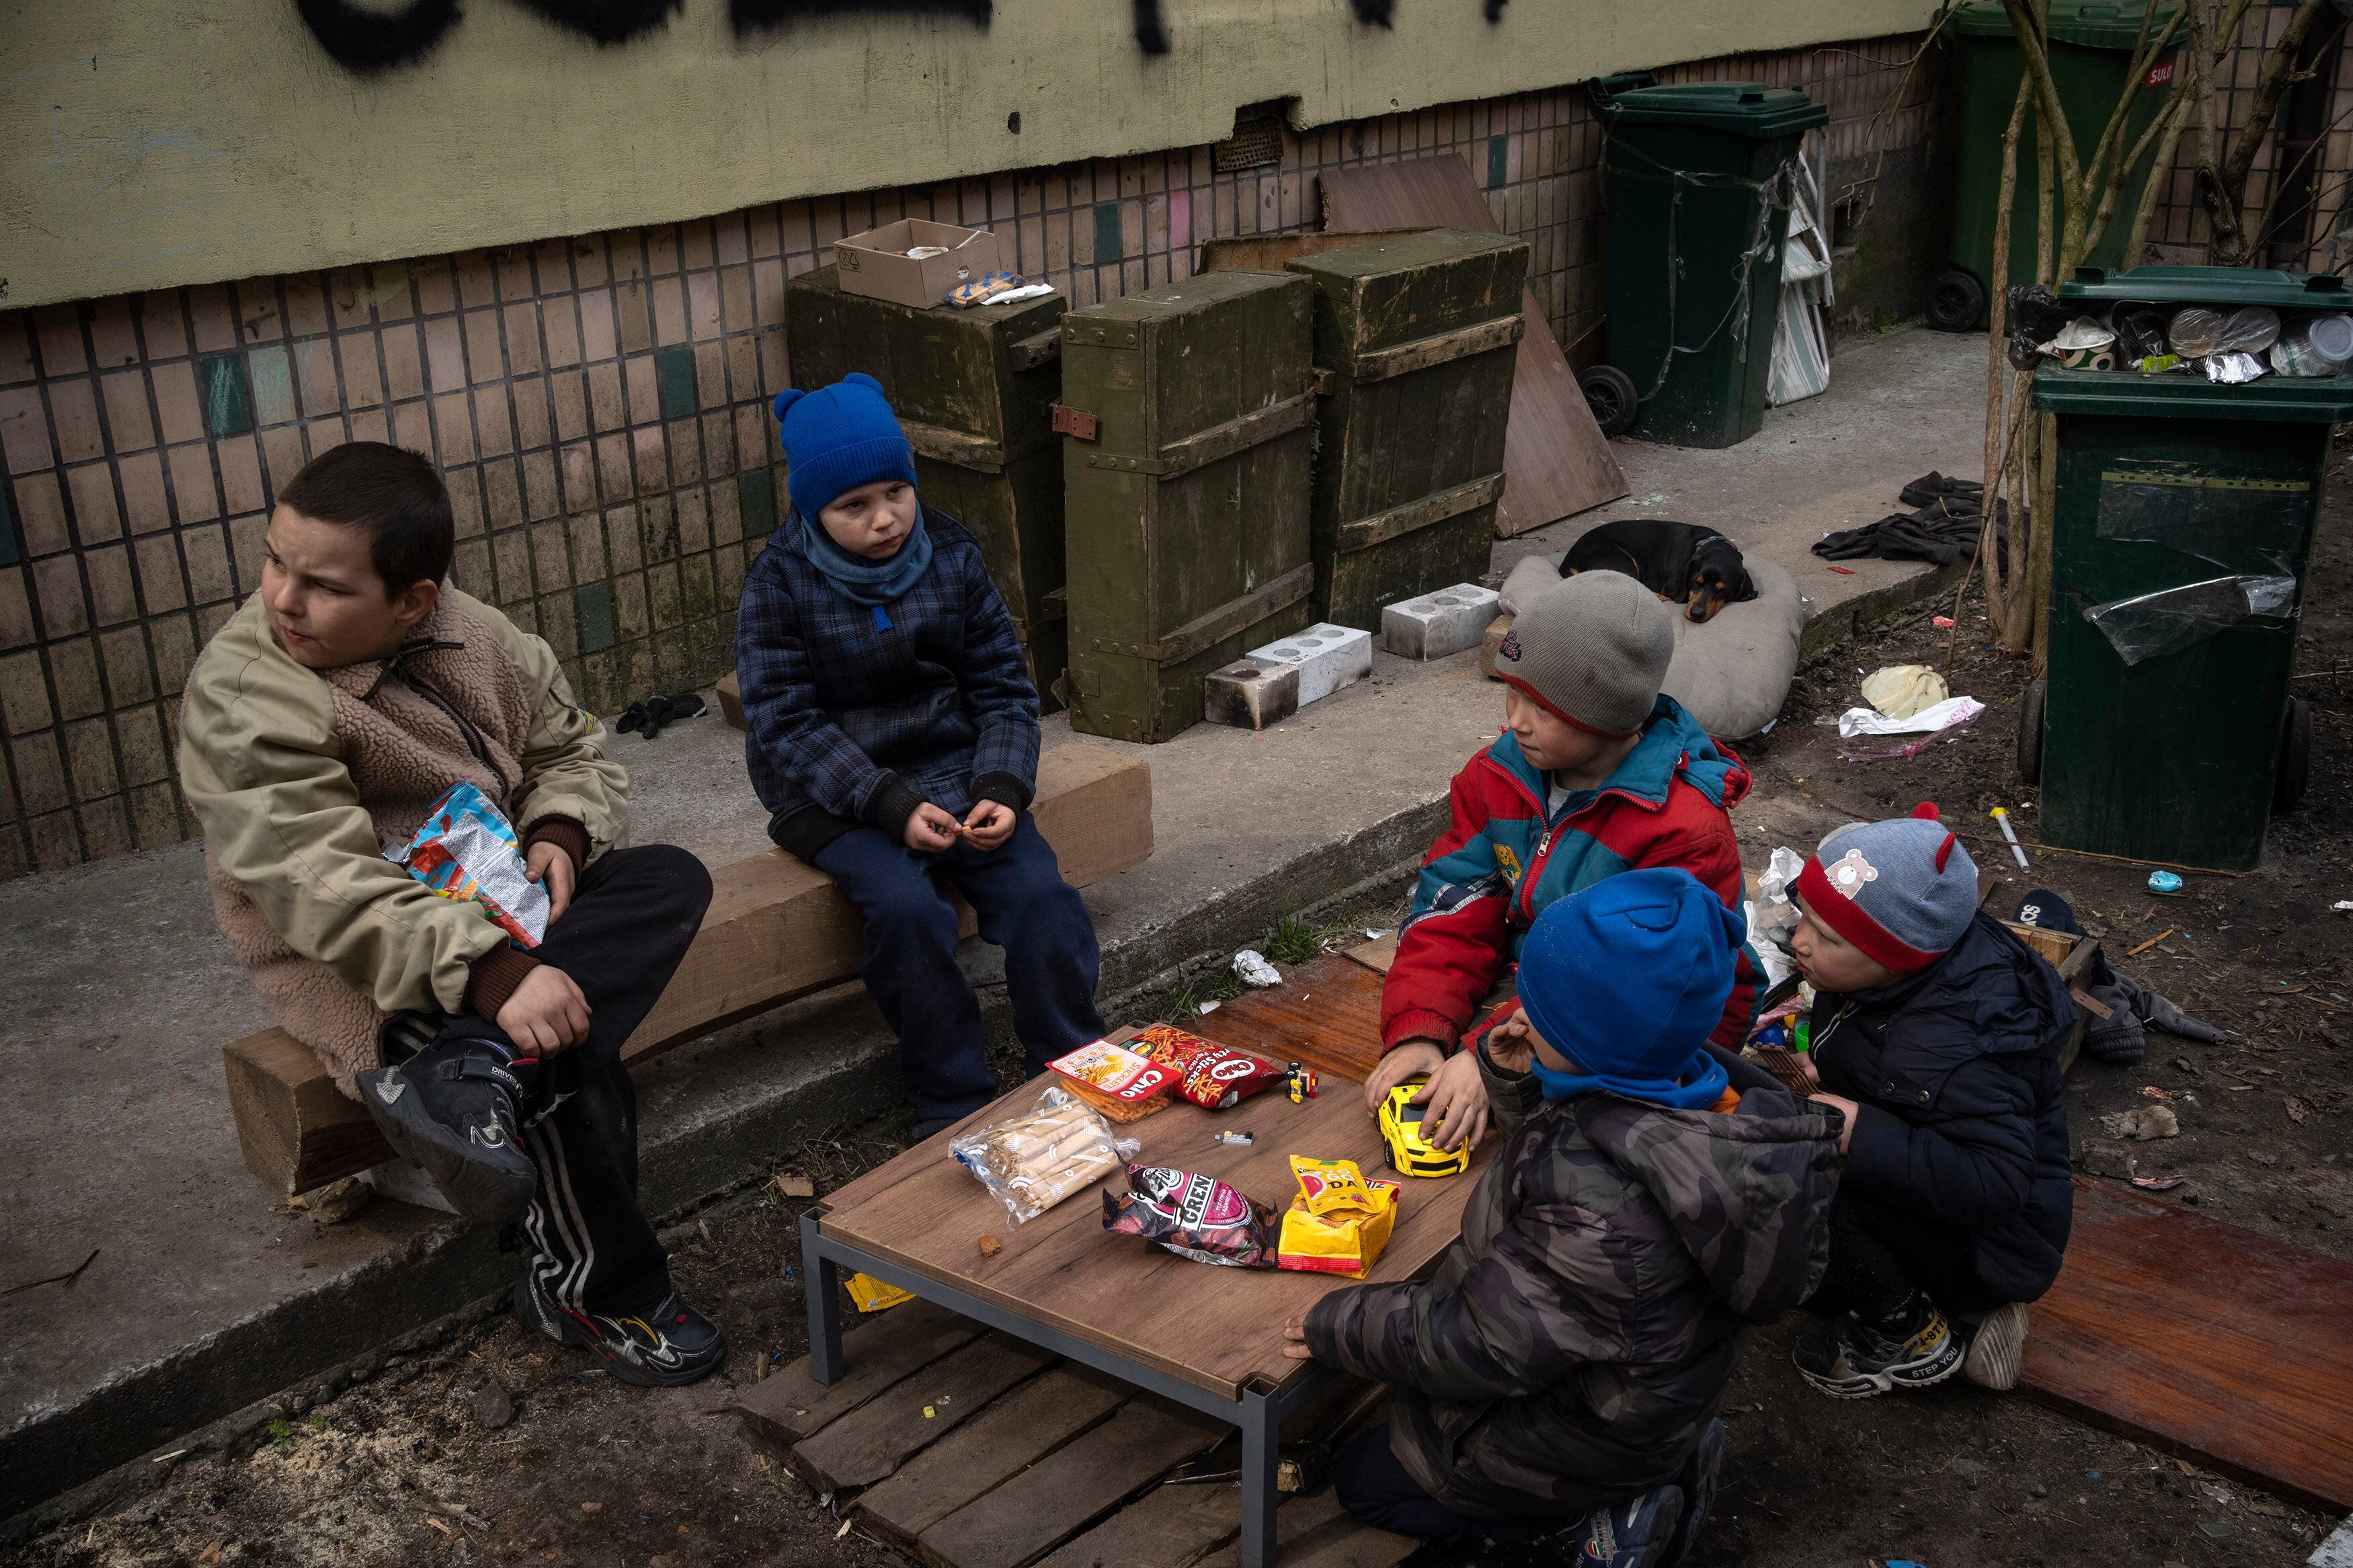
<point x="1700" y="186"/>
<point x="2092" y="50"/>
<point x="2192" y="444"/>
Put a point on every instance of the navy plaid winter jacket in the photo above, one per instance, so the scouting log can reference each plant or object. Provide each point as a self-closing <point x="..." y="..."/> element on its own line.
<point x="856" y="717"/>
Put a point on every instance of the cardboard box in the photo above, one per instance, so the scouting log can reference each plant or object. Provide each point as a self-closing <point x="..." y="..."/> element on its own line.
<point x="876" y="263"/>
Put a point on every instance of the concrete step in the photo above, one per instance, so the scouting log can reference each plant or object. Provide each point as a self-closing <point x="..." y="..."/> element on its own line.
<point x="206" y="1296"/>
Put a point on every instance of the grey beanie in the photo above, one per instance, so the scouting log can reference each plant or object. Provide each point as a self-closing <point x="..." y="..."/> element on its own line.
<point x="1902" y="890"/>
<point x="1593" y="648"/>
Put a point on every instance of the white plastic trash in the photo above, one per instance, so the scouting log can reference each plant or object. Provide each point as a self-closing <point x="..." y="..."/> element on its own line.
<point x="1251" y="966"/>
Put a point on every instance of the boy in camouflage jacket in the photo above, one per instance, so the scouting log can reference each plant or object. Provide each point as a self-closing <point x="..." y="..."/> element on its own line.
<point x="1561" y="1371"/>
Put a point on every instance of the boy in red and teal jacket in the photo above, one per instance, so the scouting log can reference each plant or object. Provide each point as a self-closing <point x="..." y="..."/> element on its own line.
<point x="1596" y="772"/>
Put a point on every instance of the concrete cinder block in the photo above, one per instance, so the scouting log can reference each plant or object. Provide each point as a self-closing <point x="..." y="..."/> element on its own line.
<point x="1250" y="694"/>
<point x="1437" y="624"/>
<point x="1328" y="657"/>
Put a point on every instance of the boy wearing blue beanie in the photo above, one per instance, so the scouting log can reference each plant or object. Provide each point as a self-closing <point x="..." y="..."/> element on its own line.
<point x="1560" y="1372"/>
<point x="1936" y="1033"/>
<point x="891" y="732"/>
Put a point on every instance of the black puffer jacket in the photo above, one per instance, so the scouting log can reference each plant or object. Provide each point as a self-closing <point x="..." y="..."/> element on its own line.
<point x="1956" y="1073"/>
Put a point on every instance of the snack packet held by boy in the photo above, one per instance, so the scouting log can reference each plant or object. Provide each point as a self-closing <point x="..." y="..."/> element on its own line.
<point x="1194" y="1217"/>
<point x="1214" y="1076"/>
<point x="468" y="851"/>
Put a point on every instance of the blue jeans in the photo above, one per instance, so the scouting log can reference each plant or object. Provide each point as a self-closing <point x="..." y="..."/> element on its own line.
<point x="1375" y="1486"/>
<point x="909" y="964"/>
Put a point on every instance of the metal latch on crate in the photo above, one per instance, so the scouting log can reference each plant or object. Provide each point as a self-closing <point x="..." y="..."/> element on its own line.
<point x="1075" y="422"/>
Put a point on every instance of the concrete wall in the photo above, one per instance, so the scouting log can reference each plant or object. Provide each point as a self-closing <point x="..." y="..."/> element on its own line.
<point x="150" y="143"/>
<point x="598" y="404"/>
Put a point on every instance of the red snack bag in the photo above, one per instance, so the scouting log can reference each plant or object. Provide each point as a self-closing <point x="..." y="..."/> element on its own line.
<point x="1215" y="1076"/>
<point x="1194" y="1217"/>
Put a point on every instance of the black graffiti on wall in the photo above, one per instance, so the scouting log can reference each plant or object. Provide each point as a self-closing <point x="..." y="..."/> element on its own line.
<point x="366" y="40"/>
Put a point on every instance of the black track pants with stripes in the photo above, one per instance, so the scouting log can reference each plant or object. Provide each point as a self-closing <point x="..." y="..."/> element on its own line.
<point x="630" y="920"/>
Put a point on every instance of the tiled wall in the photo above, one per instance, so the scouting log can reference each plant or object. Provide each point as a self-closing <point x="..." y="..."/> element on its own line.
<point x="599" y="407"/>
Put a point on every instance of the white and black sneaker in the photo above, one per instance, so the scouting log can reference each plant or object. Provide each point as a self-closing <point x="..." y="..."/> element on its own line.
<point x="452" y="1109"/>
<point x="672" y="1344"/>
<point x="1848" y="1358"/>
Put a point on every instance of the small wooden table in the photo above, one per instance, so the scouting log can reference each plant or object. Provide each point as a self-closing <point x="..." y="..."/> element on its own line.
<point x="1208" y="1338"/>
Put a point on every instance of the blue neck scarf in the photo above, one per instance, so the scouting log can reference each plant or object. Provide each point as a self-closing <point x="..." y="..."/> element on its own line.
<point x="862" y="582"/>
<point x="1700" y="1084"/>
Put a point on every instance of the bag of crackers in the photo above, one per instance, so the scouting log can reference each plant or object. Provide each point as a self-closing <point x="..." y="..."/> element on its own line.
<point x="1339" y="1222"/>
<point x="1125" y="1085"/>
<point x="1034" y="1161"/>
<point x="1212" y="1076"/>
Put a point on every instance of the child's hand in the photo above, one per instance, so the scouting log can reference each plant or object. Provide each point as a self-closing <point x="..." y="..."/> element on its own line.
<point x="1805" y="1065"/>
<point x="1408" y="1058"/>
<point x="1511" y="1045"/>
<point x="930" y="830"/>
<point x="550" y="867"/>
<point x="547" y="1013"/>
<point x="1454" y="1104"/>
<point x="1294" y="1340"/>
<point x="1846" y="1108"/>
<point x="991" y="825"/>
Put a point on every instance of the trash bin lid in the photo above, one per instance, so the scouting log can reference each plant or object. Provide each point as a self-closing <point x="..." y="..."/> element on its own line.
<point x="2229" y="286"/>
<point x="1741" y="108"/>
<point x="2094" y="26"/>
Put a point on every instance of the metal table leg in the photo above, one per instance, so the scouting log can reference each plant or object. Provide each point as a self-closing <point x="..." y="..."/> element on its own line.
<point x="1261" y="1425"/>
<point x="821" y="1283"/>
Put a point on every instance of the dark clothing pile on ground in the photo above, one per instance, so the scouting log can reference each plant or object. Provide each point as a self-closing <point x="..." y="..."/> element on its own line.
<point x="1944" y="527"/>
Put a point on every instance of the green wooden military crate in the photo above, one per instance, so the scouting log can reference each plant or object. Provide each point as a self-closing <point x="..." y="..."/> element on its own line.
<point x="1186" y="464"/>
<point x="1415" y="342"/>
<point x="974" y="391"/>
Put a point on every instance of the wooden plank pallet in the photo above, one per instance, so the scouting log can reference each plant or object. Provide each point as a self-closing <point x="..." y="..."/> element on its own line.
<point x="966" y="1448"/>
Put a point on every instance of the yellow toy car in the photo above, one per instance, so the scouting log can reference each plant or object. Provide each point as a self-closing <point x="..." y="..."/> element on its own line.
<point x="1411" y="1154"/>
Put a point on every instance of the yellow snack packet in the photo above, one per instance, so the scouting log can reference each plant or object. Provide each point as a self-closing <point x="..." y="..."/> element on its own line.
<point x="875" y="1295"/>
<point x="1347" y="1243"/>
<point x="1329" y="1184"/>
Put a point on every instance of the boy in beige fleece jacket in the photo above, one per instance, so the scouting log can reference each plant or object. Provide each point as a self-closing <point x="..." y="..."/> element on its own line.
<point x="321" y="725"/>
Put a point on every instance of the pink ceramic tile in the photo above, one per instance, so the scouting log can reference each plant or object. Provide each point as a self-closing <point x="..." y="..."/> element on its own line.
<point x="41" y="512"/>
<point x="476" y="286"/>
<point x="306" y="305"/>
<point x="394" y="289"/>
<point x="16" y="346"/>
<point x="315" y="375"/>
<point x="437" y="289"/>
<point x="453" y="427"/>
<point x="349" y="298"/>
<point x="145" y="505"/>
<point x="728" y="232"/>
<point x="370" y="425"/>
<point x="240" y="472"/>
<point x="412" y="426"/>
<point x="484" y="358"/>
<point x="734" y="298"/>
<point x="214" y="318"/>
<point x="258" y="316"/>
<point x="697" y="248"/>
<point x="24" y="429"/>
<point x="514" y="269"/>
<point x="58" y="329"/>
<point x="362" y="379"/>
<point x="522" y="331"/>
<point x="162" y="327"/>
<point x="662" y="250"/>
<point x="73" y="419"/>
<point x="97" y="515"/>
<point x="702" y="304"/>
<point x="195" y="494"/>
<point x="669" y="311"/>
<point x="404" y="370"/>
<point x="176" y="404"/>
<point x="569" y="392"/>
<point x="534" y="426"/>
<point x="493" y="422"/>
<point x="559" y="319"/>
<point x="598" y="338"/>
<point x="113" y="333"/>
<point x="766" y="239"/>
<point x="444" y="353"/>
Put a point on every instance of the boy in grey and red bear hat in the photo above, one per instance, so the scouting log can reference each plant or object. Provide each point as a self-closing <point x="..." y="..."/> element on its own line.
<point x="1937" y="1033"/>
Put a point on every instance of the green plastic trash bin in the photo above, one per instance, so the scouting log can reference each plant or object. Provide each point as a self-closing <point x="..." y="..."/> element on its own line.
<point x="1699" y="183"/>
<point x="2092" y="48"/>
<point x="2184" y="518"/>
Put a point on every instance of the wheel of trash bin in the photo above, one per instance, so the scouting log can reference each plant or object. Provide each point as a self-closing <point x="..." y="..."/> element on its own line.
<point x="1956" y="303"/>
<point x="2029" y="733"/>
<point x="1610" y="393"/>
<point x="2295" y="756"/>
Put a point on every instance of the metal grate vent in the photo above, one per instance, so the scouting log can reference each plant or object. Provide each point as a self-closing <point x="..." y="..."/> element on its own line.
<point x="1256" y="141"/>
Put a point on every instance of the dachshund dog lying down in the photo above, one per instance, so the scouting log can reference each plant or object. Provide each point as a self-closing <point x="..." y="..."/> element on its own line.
<point x="1693" y="566"/>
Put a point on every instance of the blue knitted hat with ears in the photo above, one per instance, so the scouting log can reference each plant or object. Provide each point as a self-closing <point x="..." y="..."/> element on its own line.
<point x="837" y="438"/>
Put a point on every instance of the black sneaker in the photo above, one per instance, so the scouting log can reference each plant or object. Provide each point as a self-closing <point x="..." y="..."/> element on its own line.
<point x="1637" y="1534"/>
<point x="1846" y="1358"/>
<point x="668" y="1347"/>
<point x="451" y="1109"/>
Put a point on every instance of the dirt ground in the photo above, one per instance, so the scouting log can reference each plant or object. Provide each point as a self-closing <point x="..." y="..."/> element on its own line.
<point x="492" y="1447"/>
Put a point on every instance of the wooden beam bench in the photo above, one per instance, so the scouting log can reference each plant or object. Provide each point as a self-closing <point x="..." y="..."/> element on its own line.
<point x="776" y="929"/>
